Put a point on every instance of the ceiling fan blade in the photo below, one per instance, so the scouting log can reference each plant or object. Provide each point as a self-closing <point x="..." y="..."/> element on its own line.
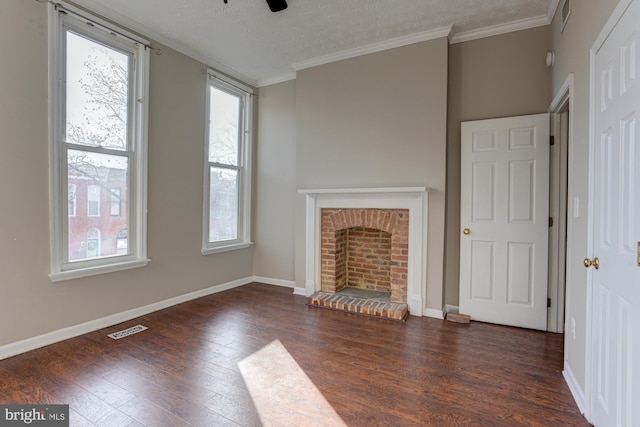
<point x="277" y="5"/>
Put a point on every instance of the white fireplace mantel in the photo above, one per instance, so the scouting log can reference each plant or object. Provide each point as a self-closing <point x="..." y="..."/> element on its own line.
<point x="412" y="198"/>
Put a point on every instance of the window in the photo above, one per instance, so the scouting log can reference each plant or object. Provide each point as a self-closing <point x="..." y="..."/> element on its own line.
<point x="98" y="115"/>
<point x="122" y="242"/>
<point x="93" y="243"/>
<point x="71" y="196"/>
<point x="93" y="200"/>
<point x="227" y="199"/>
<point x="116" y="197"/>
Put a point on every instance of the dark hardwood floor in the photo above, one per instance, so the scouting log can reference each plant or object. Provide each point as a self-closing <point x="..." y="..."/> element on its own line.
<point x="257" y="355"/>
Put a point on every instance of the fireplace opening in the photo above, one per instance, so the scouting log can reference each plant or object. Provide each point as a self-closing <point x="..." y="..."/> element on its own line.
<point x="365" y="251"/>
<point x="363" y="263"/>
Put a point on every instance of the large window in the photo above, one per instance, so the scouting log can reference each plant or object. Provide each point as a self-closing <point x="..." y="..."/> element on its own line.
<point x="227" y="197"/>
<point x="98" y="115"/>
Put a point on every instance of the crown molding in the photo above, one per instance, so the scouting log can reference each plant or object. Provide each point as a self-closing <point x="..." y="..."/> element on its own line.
<point x="135" y="26"/>
<point x="495" y="30"/>
<point x="276" y="79"/>
<point x="375" y="47"/>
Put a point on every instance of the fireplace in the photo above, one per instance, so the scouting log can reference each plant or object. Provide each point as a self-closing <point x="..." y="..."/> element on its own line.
<point x="385" y="228"/>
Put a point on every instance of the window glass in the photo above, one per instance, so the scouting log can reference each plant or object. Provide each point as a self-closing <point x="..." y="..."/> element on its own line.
<point x="71" y="197"/>
<point x="116" y="201"/>
<point x="223" y="210"/>
<point x="122" y="245"/>
<point x="97" y="94"/>
<point x="93" y="243"/>
<point x="224" y="119"/>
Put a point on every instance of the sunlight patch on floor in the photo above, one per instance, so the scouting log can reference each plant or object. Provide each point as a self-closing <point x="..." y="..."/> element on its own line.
<point x="281" y="391"/>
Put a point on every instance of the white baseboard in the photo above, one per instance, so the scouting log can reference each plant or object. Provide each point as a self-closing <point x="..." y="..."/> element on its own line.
<point x="300" y="290"/>
<point x="297" y="290"/>
<point x="449" y="308"/>
<point x="432" y="312"/>
<point x="576" y="390"/>
<point x="275" y="282"/>
<point x="23" y="346"/>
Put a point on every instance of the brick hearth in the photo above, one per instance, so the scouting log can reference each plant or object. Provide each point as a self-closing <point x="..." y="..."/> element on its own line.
<point x="336" y="301"/>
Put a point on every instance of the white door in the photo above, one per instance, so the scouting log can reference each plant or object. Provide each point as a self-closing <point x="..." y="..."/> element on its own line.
<point x="615" y="371"/>
<point x="504" y="220"/>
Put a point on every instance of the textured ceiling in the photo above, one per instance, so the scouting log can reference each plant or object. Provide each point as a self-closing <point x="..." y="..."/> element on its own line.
<point x="246" y="40"/>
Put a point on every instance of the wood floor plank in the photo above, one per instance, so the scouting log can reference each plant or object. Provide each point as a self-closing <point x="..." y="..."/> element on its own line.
<point x="186" y="369"/>
<point x="149" y="414"/>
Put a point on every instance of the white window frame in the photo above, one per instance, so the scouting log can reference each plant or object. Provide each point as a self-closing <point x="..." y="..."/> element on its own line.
<point x="245" y="137"/>
<point x="63" y="16"/>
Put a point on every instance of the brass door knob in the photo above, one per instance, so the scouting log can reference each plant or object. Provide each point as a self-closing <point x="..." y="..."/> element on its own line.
<point x="466" y="231"/>
<point x="595" y="263"/>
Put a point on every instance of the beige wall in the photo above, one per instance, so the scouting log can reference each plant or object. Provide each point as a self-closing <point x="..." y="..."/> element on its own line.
<point x="275" y="182"/>
<point x="493" y="77"/>
<point x="572" y="47"/>
<point x="378" y="120"/>
<point x="30" y="304"/>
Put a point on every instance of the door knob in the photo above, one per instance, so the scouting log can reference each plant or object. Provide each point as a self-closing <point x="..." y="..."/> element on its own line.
<point x="466" y="231"/>
<point x="595" y="263"/>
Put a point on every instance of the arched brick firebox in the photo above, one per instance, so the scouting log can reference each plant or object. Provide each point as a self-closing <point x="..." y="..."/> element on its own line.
<point x="335" y="257"/>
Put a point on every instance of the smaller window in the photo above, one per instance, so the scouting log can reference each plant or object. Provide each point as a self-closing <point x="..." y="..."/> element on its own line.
<point x="227" y="198"/>
<point x="72" y="200"/>
<point x="93" y="200"/>
<point x="116" y="202"/>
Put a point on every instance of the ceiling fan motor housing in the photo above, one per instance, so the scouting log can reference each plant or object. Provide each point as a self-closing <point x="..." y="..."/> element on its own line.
<point x="277" y="5"/>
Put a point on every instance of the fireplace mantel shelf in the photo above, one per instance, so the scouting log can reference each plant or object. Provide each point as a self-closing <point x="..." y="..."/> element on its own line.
<point x="363" y="190"/>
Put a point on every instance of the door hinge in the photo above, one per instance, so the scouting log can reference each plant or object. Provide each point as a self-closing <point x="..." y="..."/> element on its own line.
<point x="552" y="140"/>
<point x="550" y="222"/>
<point x="548" y="302"/>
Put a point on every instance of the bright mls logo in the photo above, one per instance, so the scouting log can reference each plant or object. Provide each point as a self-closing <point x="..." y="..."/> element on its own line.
<point x="34" y="415"/>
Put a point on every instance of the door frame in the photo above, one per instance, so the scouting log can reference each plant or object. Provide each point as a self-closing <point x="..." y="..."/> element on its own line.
<point x="558" y="247"/>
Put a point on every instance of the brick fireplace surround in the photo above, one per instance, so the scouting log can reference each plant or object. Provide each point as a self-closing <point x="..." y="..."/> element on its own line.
<point x="391" y="223"/>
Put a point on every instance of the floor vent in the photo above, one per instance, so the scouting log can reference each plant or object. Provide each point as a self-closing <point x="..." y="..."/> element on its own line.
<point x="126" y="332"/>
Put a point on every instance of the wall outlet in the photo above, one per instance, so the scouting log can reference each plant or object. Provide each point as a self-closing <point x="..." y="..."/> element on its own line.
<point x="573" y="328"/>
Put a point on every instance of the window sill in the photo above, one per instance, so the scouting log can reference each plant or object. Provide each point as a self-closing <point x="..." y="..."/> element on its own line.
<point x="94" y="271"/>
<point x="226" y="248"/>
